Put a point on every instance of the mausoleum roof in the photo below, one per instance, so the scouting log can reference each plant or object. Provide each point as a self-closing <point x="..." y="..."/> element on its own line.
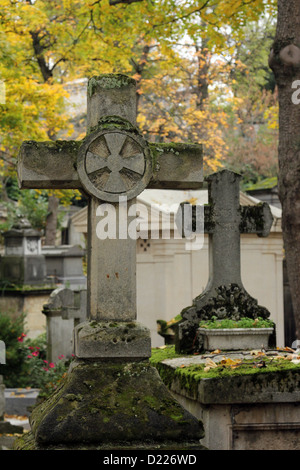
<point x="166" y="201"/>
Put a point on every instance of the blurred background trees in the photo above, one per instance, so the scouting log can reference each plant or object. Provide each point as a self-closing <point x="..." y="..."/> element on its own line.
<point x="201" y="72"/>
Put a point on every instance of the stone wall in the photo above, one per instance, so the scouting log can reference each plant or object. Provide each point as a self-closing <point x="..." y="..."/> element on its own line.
<point x="16" y="303"/>
<point x="169" y="277"/>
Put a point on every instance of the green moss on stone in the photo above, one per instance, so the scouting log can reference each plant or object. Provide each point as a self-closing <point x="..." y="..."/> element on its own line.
<point x="63" y="146"/>
<point x="109" y="81"/>
<point x="189" y="377"/>
<point x="115" y="122"/>
<point x="24" y="288"/>
<point x="267" y="183"/>
<point x="130" y="393"/>
<point x="252" y="216"/>
<point x="160" y="354"/>
<point x="158" y="149"/>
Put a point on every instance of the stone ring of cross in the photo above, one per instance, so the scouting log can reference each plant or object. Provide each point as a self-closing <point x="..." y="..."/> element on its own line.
<point x="114" y="163"/>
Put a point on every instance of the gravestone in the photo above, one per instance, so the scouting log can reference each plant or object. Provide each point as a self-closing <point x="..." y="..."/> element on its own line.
<point x="65" y="309"/>
<point x="59" y="331"/>
<point x="24" y="286"/>
<point x="111" y="397"/>
<point x="23" y="261"/>
<point x="64" y="265"/>
<point x="224" y="295"/>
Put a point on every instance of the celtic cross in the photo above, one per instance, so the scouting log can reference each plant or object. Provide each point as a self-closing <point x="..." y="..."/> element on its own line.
<point x="112" y="161"/>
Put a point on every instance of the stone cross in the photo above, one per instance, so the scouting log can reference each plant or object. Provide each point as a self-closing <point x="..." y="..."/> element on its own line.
<point x="224" y="220"/>
<point x="65" y="309"/>
<point x="77" y="309"/>
<point x="113" y="161"/>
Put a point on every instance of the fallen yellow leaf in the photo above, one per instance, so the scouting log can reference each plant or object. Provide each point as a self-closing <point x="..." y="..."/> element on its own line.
<point x="226" y="361"/>
<point x="209" y="364"/>
<point x="288" y="349"/>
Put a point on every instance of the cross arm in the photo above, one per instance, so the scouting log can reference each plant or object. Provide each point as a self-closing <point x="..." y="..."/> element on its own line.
<point x="77" y="310"/>
<point x="256" y="219"/>
<point x="176" y="166"/>
<point x="48" y="165"/>
<point x="53" y="165"/>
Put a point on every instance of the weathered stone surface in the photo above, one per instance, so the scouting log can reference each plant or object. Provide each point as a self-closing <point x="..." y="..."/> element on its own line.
<point x="114" y="163"/>
<point x="7" y="430"/>
<point x="112" y="403"/>
<point x="78" y="309"/>
<point x="263" y="386"/>
<point x="27" y="442"/>
<point x="176" y="166"/>
<point x="281" y="386"/>
<point x="44" y="164"/>
<point x="235" y="338"/>
<point x="18" y="401"/>
<point x="111" y="95"/>
<point x="23" y="262"/>
<point x="111" y="270"/>
<point x="64" y="265"/>
<point x="257" y="411"/>
<point x="112" y="340"/>
<point x="102" y="402"/>
<point x="224" y="295"/>
<point x="59" y="329"/>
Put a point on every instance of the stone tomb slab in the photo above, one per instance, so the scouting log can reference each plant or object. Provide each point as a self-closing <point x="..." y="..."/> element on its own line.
<point x="246" y="412"/>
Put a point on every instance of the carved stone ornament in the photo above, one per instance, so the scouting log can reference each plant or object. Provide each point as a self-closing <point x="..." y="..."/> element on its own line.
<point x="114" y="163"/>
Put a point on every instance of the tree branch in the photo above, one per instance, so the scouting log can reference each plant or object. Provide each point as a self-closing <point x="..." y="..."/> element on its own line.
<point x="38" y="51"/>
<point x="175" y="19"/>
<point x="127" y="2"/>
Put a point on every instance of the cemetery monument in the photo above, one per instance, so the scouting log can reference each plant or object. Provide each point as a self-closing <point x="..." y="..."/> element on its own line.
<point x="224" y="295"/>
<point x="111" y="397"/>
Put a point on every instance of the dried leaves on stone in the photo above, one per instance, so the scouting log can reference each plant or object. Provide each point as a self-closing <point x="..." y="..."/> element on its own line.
<point x="261" y="359"/>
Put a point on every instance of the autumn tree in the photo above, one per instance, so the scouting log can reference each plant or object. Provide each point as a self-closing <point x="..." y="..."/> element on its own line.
<point x="252" y="135"/>
<point x="46" y="44"/>
<point x="285" y="62"/>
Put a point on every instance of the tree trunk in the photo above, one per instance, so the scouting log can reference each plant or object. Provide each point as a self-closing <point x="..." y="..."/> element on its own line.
<point x="138" y="68"/>
<point x="202" y="73"/>
<point x="51" y="223"/>
<point x="285" y="63"/>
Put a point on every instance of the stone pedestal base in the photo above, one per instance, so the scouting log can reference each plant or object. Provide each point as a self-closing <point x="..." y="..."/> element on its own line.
<point x="112" y="405"/>
<point x="109" y="340"/>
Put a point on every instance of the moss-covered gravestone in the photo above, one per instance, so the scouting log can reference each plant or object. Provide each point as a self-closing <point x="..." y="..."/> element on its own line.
<point x="111" y="397"/>
<point x="224" y="296"/>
